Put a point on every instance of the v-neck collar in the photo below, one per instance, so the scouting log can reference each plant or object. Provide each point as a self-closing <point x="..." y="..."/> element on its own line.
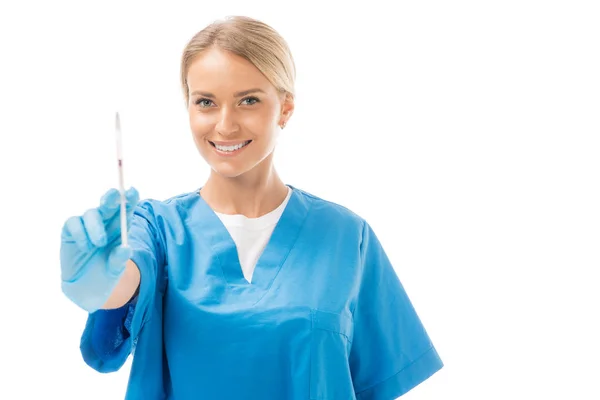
<point x="268" y="220"/>
<point x="273" y="257"/>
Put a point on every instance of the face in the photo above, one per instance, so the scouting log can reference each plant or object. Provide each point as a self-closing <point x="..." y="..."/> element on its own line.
<point x="235" y="113"/>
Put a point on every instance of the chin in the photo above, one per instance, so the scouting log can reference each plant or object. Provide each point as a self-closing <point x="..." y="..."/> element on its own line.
<point x="236" y="167"/>
<point x="228" y="171"/>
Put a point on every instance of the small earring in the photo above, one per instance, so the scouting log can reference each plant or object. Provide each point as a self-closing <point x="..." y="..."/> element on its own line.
<point x="282" y="125"/>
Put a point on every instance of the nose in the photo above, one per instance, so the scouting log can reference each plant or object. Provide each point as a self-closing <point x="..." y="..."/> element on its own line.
<point x="227" y="125"/>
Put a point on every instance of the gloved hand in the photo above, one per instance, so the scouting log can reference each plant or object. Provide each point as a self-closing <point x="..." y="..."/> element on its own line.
<point x="91" y="256"/>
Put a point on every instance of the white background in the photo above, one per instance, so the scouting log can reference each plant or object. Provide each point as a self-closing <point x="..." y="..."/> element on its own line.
<point x="465" y="132"/>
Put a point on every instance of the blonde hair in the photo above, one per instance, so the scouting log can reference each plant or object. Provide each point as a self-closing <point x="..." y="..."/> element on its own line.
<point x="251" y="39"/>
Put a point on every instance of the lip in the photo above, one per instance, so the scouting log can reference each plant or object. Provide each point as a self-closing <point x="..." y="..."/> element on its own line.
<point x="229" y="143"/>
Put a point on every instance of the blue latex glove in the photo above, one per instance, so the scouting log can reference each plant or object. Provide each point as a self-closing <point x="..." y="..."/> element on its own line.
<point x="91" y="256"/>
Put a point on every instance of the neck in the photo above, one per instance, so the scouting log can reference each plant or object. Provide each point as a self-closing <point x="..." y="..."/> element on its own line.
<point x="253" y="194"/>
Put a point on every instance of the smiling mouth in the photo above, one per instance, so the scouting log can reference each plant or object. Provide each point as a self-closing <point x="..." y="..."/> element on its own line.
<point x="230" y="148"/>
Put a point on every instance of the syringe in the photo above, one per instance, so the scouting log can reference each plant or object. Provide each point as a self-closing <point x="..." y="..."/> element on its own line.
<point x="121" y="181"/>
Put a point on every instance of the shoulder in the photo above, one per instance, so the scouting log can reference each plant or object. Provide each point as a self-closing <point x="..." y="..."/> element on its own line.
<point x="332" y="213"/>
<point x="174" y="207"/>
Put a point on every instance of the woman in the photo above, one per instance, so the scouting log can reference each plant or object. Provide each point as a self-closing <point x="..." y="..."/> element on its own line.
<point x="247" y="288"/>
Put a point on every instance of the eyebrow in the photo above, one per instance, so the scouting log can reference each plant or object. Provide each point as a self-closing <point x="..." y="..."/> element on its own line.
<point x="238" y="94"/>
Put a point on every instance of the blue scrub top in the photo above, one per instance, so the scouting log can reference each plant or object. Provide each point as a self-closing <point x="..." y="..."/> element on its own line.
<point x="325" y="316"/>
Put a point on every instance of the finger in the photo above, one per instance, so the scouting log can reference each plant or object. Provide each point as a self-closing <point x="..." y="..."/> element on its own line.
<point x="117" y="259"/>
<point x="132" y="196"/>
<point x="113" y="226"/>
<point x="109" y="204"/>
<point x="94" y="226"/>
<point x="75" y="229"/>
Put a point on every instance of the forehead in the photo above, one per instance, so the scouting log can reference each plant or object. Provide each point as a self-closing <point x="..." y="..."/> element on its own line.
<point x="216" y="70"/>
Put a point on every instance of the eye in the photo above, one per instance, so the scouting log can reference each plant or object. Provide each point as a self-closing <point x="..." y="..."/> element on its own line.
<point x="252" y="99"/>
<point x="202" y="102"/>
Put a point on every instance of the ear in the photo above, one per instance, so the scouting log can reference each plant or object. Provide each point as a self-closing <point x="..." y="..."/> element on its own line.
<point x="287" y="108"/>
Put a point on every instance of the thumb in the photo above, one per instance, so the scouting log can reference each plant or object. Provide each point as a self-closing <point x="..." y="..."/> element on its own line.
<point x="117" y="259"/>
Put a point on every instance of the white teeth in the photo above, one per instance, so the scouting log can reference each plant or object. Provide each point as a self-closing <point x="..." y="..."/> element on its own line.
<point x="231" y="148"/>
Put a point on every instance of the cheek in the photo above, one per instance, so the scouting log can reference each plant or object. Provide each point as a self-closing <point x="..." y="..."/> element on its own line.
<point x="199" y="124"/>
<point x="260" y="122"/>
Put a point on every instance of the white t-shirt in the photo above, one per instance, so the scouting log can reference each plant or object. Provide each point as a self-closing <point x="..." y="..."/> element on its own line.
<point x="251" y="235"/>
